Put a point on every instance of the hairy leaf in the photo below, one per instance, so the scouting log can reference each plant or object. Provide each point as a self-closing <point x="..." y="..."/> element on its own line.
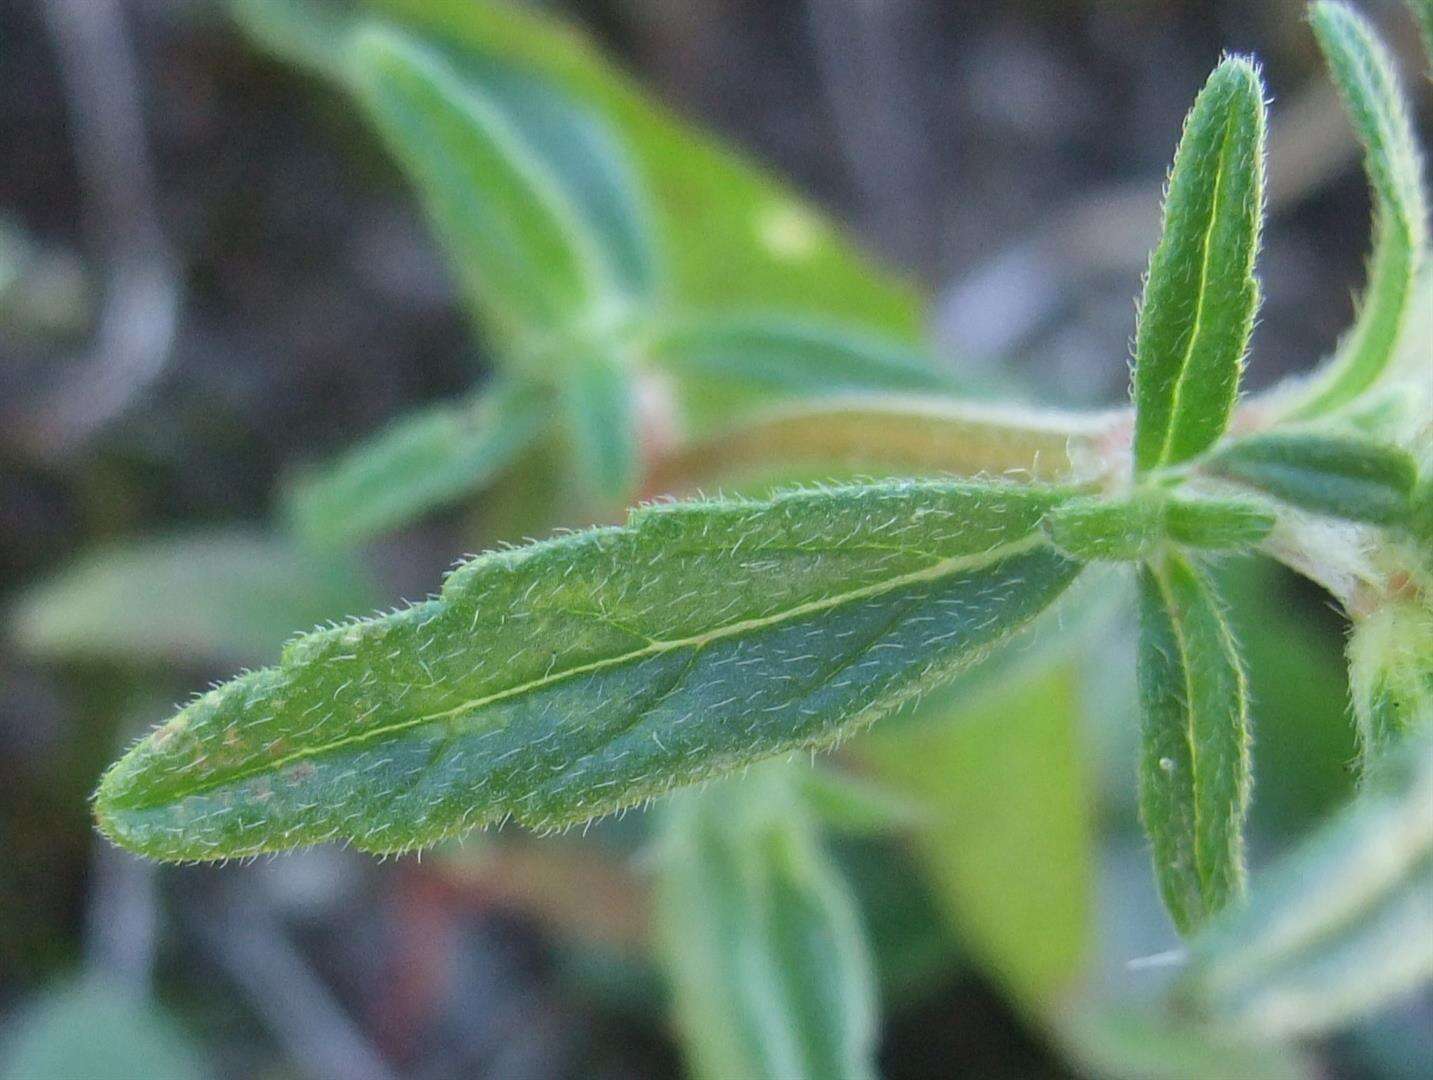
<point x="580" y="675"/>
<point x="1200" y="296"/>
<point x="761" y="939"/>
<point x="1119" y="529"/>
<point x="420" y="462"/>
<point x="732" y="235"/>
<point x="1345" y="476"/>
<point x="529" y="262"/>
<point x="791" y="355"/>
<point x="1339" y="927"/>
<point x="881" y="435"/>
<point x="1216" y="524"/>
<point x="1390" y="665"/>
<point x="1364" y="74"/>
<point x="1194" y="767"/>
<point x="600" y="416"/>
<point x="227" y="595"/>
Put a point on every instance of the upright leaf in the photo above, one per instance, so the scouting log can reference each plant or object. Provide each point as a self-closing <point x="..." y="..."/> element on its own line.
<point x="1194" y="767"/>
<point x="1364" y="74"/>
<point x="1201" y="295"/>
<point x="1423" y="12"/>
<point x="577" y="676"/>
<point x="529" y="263"/>
<point x="1337" y="928"/>
<point x="1342" y="475"/>
<point x="761" y="939"/>
<point x="421" y="461"/>
<point x="1390" y="667"/>
<point x="598" y="400"/>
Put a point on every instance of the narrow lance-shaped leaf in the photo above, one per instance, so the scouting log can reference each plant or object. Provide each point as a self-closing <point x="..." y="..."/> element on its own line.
<point x="138" y="602"/>
<point x="1390" y="667"/>
<point x="599" y="410"/>
<point x="577" y="676"/>
<point x="1423" y="12"/>
<point x="529" y="263"/>
<point x="1364" y="74"/>
<point x="882" y="434"/>
<point x="1194" y="762"/>
<point x="761" y="939"/>
<point x="420" y="462"/>
<point x="1336" y="929"/>
<point x="1342" y="475"/>
<point x="1200" y="295"/>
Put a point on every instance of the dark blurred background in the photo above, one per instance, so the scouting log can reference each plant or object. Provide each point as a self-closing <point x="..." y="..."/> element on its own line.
<point x="249" y="287"/>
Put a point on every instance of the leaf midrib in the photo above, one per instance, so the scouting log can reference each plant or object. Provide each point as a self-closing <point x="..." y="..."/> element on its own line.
<point x="654" y="647"/>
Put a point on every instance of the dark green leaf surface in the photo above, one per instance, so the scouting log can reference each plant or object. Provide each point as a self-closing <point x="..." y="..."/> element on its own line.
<point x="761" y="939"/>
<point x="528" y="260"/>
<point x="1423" y="12"/>
<point x="1201" y="295"/>
<point x="599" y="412"/>
<point x="226" y="595"/>
<point x="1364" y="74"/>
<point x="1345" y="476"/>
<point x="420" y="462"/>
<point x="1339" y="927"/>
<point x="1194" y="762"/>
<point x="574" y="677"/>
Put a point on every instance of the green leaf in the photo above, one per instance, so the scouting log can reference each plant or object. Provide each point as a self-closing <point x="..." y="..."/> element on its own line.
<point x="598" y="402"/>
<point x="422" y="461"/>
<point x="1216" y="524"/>
<point x="1364" y="74"/>
<point x="574" y="677"/>
<point x="1423" y="12"/>
<point x="855" y="805"/>
<point x="1099" y="528"/>
<point x="531" y="265"/>
<point x="1201" y="295"/>
<point x="761" y="939"/>
<point x="1337" y="928"/>
<point x="1390" y="660"/>
<point x="1130" y="1043"/>
<point x="226" y="595"/>
<point x="1001" y="773"/>
<point x="761" y="354"/>
<point x="97" y="1031"/>
<point x="1194" y="768"/>
<point x="731" y="234"/>
<point x="734" y="236"/>
<point x="865" y="435"/>
<point x="1332" y="473"/>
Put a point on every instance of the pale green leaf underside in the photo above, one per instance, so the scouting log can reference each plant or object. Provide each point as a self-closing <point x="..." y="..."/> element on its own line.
<point x="420" y="462"/>
<point x="1200" y="296"/>
<point x="574" y="677"/>
<point x="761" y="939"/>
<point x="1364" y="75"/>
<point x="1194" y="761"/>
<point x="1337" y="928"/>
